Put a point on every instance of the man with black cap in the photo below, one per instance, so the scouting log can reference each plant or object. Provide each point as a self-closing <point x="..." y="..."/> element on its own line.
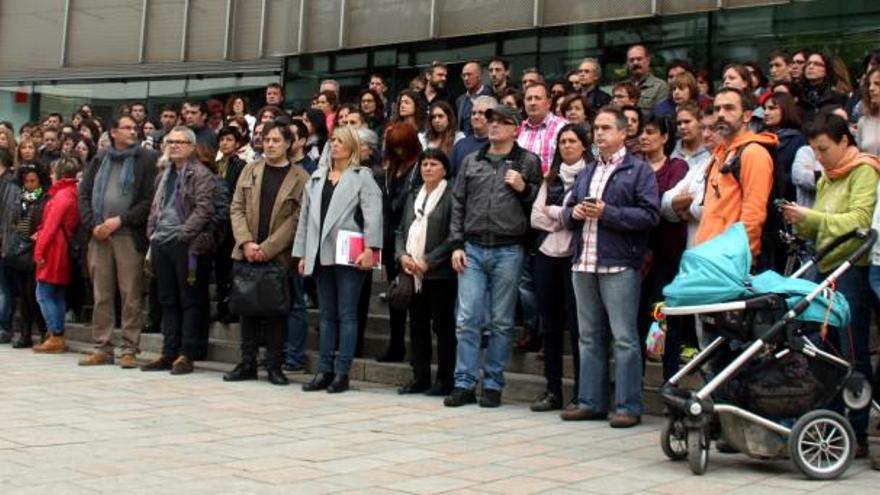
<point x="492" y="201"/>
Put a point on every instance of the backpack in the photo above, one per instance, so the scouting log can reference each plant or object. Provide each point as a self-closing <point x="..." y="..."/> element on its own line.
<point x="772" y="255"/>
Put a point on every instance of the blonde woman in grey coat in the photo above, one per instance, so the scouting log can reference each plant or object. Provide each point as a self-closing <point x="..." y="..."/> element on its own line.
<point x="340" y="198"/>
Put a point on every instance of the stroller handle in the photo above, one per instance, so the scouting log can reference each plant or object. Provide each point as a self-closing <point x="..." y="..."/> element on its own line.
<point x="867" y="236"/>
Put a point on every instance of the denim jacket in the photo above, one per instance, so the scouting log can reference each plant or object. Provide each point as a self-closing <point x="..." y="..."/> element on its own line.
<point x="632" y="209"/>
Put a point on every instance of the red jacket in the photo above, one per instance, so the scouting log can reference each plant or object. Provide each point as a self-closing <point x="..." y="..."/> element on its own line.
<point x="61" y="212"/>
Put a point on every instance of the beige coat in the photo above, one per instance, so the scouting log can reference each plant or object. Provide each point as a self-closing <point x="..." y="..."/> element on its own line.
<point x="245" y="211"/>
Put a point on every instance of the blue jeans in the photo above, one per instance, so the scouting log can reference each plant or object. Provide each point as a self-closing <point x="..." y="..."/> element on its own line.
<point x="607" y="301"/>
<point x="497" y="270"/>
<point x="855" y="342"/>
<point x="297" y="324"/>
<point x="339" y="289"/>
<point x="52" y="303"/>
<point x="5" y="300"/>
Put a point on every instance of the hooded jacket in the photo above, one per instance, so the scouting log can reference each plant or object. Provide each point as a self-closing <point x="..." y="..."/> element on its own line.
<point x="727" y="201"/>
<point x="60" y="218"/>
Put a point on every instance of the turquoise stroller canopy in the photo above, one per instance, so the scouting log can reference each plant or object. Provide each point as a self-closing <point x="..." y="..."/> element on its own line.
<point x="718" y="271"/>
<point x="713" y="272"/>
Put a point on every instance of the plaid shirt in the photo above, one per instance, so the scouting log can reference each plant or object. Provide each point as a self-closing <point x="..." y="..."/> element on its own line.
<point x="541" y="139"/>
<point x="589" y="261"/>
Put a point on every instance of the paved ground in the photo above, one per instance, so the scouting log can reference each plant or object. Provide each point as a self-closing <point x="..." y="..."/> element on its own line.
<point x="66" y="429"/>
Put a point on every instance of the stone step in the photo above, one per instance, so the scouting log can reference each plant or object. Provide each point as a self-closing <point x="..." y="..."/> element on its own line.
<point x="524" y="376"/>
<point x="376" y="342"/>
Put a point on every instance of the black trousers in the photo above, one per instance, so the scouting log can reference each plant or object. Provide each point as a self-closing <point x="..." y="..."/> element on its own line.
<point x="273" y="331"/>
<point x="29" y="310"/>
<point x="433" y="308"/>
<point x="223" y="271"/>
<point x="182" y="292"/>
<point x="557" y="306"/>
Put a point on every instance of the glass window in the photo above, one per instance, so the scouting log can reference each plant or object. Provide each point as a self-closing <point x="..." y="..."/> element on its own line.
<point x="104" y="97"/>
<point x="15" y="104"/>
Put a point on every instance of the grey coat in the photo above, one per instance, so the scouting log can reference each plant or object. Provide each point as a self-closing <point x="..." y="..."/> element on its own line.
<point x="356" y="187"/>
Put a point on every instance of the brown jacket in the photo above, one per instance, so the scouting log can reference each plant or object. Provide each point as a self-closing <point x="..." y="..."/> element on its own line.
<point x="245" y="212"/>
<point x="197" y="189"/>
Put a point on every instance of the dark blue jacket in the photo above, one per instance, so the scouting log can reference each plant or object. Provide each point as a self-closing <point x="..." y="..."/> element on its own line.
<point x="790" y="140"/>
<point x="632" y="209"/>
<point x="470" y="144"/>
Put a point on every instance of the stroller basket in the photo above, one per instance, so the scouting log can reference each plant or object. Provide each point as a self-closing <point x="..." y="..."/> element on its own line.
<point x="785" y="387"/>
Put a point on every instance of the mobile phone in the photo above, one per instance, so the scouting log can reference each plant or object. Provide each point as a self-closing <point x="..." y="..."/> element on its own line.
<point x="781" y="202"/>
<point x="590" y="200"/>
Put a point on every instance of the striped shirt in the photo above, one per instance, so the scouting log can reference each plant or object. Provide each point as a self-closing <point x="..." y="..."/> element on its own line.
<point x="589" y="261"/>
<point x="540" y="139"/>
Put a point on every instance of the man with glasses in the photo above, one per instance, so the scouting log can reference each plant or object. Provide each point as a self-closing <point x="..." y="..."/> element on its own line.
<point x="589" y="74"/>
<point x="478" y="138"/>
<point x="492" y="201"/>
<point x="181" y="234"/>
<point x="114" y="200"/>
<point x="472" y="77"/>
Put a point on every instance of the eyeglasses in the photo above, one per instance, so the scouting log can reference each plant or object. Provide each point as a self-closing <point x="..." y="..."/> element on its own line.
<point x="478" y="112"/>
<point x="177" y="142"/>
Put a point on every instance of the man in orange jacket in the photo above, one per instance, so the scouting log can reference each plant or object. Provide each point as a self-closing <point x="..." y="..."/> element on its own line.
<point x="727" y="199"/>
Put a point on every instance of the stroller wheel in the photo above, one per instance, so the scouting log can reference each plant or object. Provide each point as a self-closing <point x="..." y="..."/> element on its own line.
<point x="857" y="393"/>
<point x="673" y="439"/>
<point x="822" y="444"/>
<point x="698" y="450"/>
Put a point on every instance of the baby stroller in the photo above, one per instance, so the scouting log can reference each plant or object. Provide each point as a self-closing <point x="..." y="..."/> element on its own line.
<point x="768" y="375"/>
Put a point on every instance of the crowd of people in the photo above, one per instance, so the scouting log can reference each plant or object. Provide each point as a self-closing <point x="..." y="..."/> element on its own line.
<point x="551" y="203"/>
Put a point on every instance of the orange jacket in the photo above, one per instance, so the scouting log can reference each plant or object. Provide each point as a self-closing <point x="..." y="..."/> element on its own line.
<point x="727" y="201"/>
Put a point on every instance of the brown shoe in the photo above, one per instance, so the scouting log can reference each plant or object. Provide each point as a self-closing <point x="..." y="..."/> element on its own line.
<point x="581" y="414"/>
<point x="127" y="362"/>
<point x="164" y="363"/>
<point x="624" y="420"/>
<point x="182" y="366"/>
<point x="96" y="358"/>
<point x="52" y="345"/>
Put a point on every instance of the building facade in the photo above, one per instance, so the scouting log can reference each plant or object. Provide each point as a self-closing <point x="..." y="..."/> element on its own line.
<point x="63" y="53"/>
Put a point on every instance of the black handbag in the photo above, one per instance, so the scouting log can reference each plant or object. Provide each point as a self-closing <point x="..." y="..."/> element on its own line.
<point x="259" y="289"/>
<point x="20" y="255"/>
<point x="401" y="290"/>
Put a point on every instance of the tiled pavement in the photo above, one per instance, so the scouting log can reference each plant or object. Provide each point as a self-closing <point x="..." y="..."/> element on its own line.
<point x="66" y="429"/>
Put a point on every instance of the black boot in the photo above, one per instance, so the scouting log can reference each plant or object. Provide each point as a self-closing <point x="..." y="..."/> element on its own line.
<point x="277" y="377"/>
<point x="415" y="386"/>
<point x="24" y="340"/>
<point x="320" y="382"/>
<point x="246" y="370"/>
<point x="340" y="384"/>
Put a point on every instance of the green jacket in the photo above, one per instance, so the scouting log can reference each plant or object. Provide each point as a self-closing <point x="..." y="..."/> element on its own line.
<point x="842" y="205"/>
